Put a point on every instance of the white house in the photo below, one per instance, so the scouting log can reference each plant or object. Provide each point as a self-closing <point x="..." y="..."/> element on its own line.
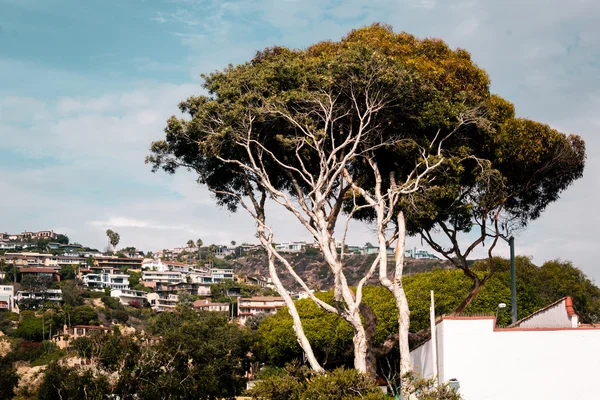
<point x="291" y="247"/>
<point x="7" y="298"/>
<point x="106" y="278"/>
<point x="420" y="254"/>
<point x="46" y="295"/>
<point x="159" y="265"/>
<point x="207" y="305"/>
<point x="548" y="355"/>
<point x="166" y="276"/>
<point x="126" y="296"/>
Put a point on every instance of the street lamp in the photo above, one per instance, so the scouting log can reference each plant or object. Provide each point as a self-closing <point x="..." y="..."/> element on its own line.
<point x="501" y="305"/>
<point x="513" y="277"/>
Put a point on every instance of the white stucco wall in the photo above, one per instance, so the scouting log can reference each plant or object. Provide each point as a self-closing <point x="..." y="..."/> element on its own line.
<point x="517" y="364"/>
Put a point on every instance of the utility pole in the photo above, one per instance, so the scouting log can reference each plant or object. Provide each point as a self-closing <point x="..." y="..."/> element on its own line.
<point x="513" y="279"/>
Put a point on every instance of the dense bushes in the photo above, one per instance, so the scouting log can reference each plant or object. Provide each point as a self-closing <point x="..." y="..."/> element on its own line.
<point x="300" y="383"/>
<point x="8" y="378"/>
<point x="69" y="383"/>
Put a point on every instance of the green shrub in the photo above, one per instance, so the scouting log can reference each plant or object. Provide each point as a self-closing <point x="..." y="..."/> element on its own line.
<point x="8" y="378"/>
<point x="67" y="383"/>
<point x="300" y="383"/>
<point x="428" y="389"/>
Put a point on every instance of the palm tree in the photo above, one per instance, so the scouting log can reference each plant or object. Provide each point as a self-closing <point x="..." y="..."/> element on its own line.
<point x="113" y="238"/>
<point x="190" y="243"/>
<point x="199" y="243"/>
<point x="109" y="234"/>
<point x="211" y="254"/>
<point x="233" y="243"/>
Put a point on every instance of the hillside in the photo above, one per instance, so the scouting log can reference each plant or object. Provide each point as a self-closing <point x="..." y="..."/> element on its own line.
<point x="316" y="273"/>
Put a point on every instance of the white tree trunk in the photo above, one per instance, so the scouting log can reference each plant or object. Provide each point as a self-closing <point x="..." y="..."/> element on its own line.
<point x="397" y="290"/>
<point x="342" y="291"/>
<point x="293" y="311"/>
<point x="400" y="296"/>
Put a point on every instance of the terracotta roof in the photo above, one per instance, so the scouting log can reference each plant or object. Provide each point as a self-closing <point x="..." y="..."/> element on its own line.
<point x="176" y="263"/>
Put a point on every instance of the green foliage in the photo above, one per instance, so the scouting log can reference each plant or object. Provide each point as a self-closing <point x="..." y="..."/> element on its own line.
<point x="84" y="315"/>
<point x="299" y="383"/>
<point x="72" y="295"/>
<point x="6" y="319"/>
<point x="62" y="239"/>
<point x="67" y="272"/>
<point x="134" y="278"/>
<point x="50" y="354"/>
<point x="311" y="251"/>
<point x="331" y="337"/>
<point x="218" y="291"/>
<point x="30" y="327"/>
<point x="62" y="382"/>
<point x="35" y="283"/>
<point x="112" y="302"/>
<point x="428" y="389"/>
<point x="113" y="237"/>
<point x="204" y="356"/>
<point x="9" y="378"/>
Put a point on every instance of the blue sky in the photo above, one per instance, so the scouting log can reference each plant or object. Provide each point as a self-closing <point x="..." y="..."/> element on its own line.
<point x="86" y="86"/>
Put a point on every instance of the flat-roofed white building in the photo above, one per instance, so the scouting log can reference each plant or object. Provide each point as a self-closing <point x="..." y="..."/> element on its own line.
<point x="107" y="277"/>
<point x="45" y="295"/>
<point x="163" y="276"/>
<point x="126" y="296"/>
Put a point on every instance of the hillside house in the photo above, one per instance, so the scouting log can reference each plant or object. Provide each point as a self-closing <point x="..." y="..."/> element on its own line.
<point x="291" y="247"/>
<point x="40" y="272"/>
<point x="104" y="277"/>
<point x="207" y="305"/>
<point x="64" y="339"/>
<point x="119" y="263"/>
<point x="248" y="306"/>
<point x="162" y="302"/>
<point x="42" y="295"/>
<point x="127" y="296"/>
<point x="7" y="298"/>
<point x="163" y="277"/>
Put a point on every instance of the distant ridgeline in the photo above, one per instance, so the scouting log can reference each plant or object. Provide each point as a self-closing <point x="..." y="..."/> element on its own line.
<point x="317" y="274"/>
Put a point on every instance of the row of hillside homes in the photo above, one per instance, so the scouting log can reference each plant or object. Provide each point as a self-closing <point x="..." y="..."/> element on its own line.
<point x="9" y="300"/>
<point x="548" y="355"/>
<point x="297" y="247"/>
<point x="28" y="235"/>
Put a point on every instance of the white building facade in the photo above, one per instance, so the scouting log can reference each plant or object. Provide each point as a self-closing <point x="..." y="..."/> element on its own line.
<point x="551" y="357"/>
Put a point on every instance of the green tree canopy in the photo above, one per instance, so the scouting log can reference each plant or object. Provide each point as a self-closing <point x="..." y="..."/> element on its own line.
<point x="332" y="337"/>
<point x="63" y="239"/>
